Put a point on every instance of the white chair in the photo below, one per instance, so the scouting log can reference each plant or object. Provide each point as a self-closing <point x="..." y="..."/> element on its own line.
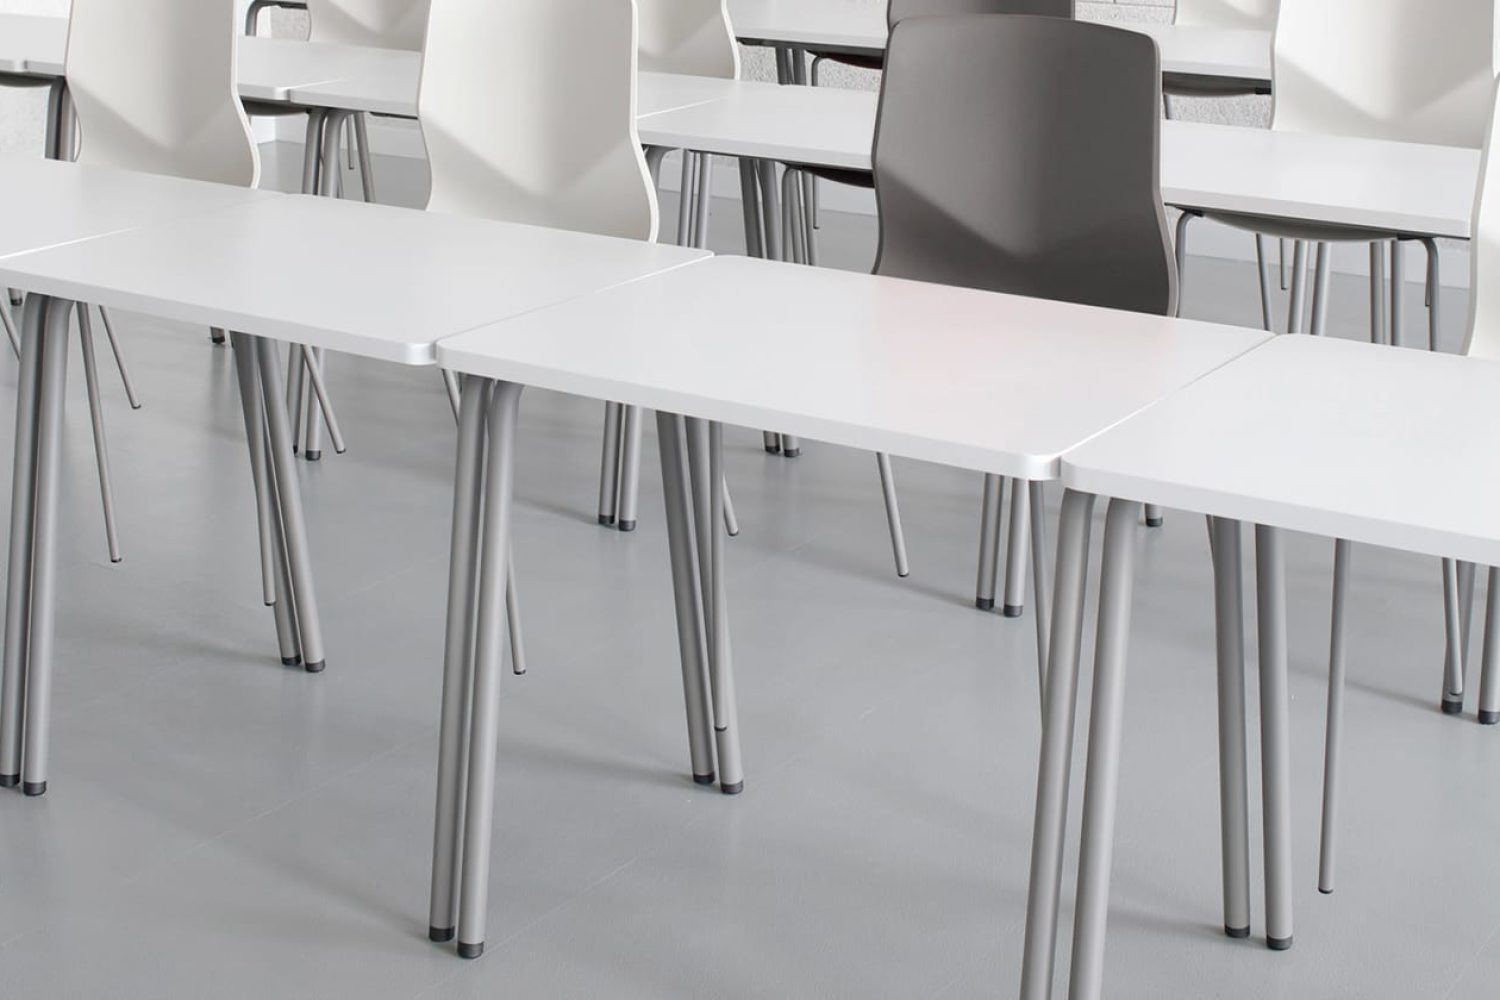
<point x="687" y="36"/>
<point x="381" y="24"/>
<point x="1251" y="14"/>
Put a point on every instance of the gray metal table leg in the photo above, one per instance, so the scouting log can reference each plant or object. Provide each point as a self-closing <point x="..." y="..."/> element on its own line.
<point x="609" y="465"/>
<point x="989" y="542"/>
<point x="1333" y="730"/>
<point x="453" y="743"/>
<point x="1059" y="706"/>
<point x="484" y="731"/>
<point x="630" y="469"/>
<point x="1041" y="591"/>
<point x="38" y="677"/>
<point x="1398" y="294"/>
<point x="1489" y="681"/>
<point x="1101" y="783"/>
<point x="18" y="571"/>
<point x="255" y="437"/>
<point x="1016" y="553"/>
<point x="1275" y="735"/>
<point x="114" y="348"/>
<point x="96" y="421"/>
<point x="1234" y="808"/>
<point x="687" y="594"/>
<point x="1453" y="652"/>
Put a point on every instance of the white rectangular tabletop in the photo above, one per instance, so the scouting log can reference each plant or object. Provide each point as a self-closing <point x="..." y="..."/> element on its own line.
<point x="995" y="383"/>
<point x="1375" y="444"/>
<point x="371" y="280"/>
<point x="47" y="203"/>
<point x="860" y="27"/>
<point x="27" y="37"/>
<point x="1395" y="187"/>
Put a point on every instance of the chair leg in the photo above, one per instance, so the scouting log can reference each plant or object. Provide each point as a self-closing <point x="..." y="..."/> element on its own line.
<point x="513" y="619"/>
<point x="1333" y="733"/>
<point x="731" y="522"/>
<point x="1295" y="317"/>
<point x="1180" y="251"/>
<point x="114" y="348"/>
<point x="1262" y="266"/>
<point x="312" y="446"/>
<point x="1320" y="291"/>
<point x="450" y="383"/>
<point x="1016" y="553"/>
<point x="96" y="418"/>
<point x="10" y="331"/>
<point x="1434" y="293"/>
<point x="893" y="513"/>
<point x="362" y="142"/>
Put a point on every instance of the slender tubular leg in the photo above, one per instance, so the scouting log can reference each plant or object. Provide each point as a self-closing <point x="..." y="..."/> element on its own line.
<point x="772" y="442"/>
<point x="450" y="383"/>
<point x="96" y="418"/>
<point x="794" y="233"/>
<point x="1263" y="268"/>
<point x="1377" y="294"/>
<point x="750" y="202"/>
<point x="654" y="156"/>
<point x="1154" y="516"/>
<point x="1333" y="733"/>
<point x="609" y="464"/>
<point x="1234" y="795"/>
<point x="38" y="683"/>
<point x="1434" y="293"/>
<point x="1489" y="681"/>
<point x="791" y="446"/>
<point x="56" y="115"/>
<point x="513" y="621"/>
<point x="705" y="192"/>
<point x="893" y="514"/>
<point x="1453" y="652"/>
<point x="366" y="171"/>
<point x="687" y="594"/>
<point x="311" y="151"/>
<point x="18" y="571"/>
<point x="1320" y="291"/>
<point x="484" y="730"/>
<point x="731" y="523"/>
<point x="1398" y="294"/>
<point x="1465" y="612"/>
<point x="1101" y="783"/>
<point x="989" y="542"/>
<point x="1016" y="552"/>
<point x="458" y="647"/>
<point x="686" y="201"/>
<point x="314" y="361"/>
<point x="1281" y="265"/>
<point x="721" y="672"/>
<point x="296" y="399"/>
<point x="1059" y="707"/>
<point x="630" y="468"/>
<point x="771" y="209"/>
<point x="10" y="331"/>
<point x="1275" y="735"/>
<point x="1041" y="592"/>
<point x="299" y="560"/>
<point x="255" y="437"/>
<point x="1297" y="308"/>
<point x="114" y="348"/>
<point x="312" y="447"/>
<point x="1181" y="253"/>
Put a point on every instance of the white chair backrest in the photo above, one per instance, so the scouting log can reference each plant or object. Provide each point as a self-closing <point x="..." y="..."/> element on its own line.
<point x="1408" y="70"/>
<point x="1484" y="253"/>
<point x="1253" y="14"/>
<point x="383" y="24"/>
<point x="528" y="110"/>
<point x="688" y="36"/>
<point x="154" y="85"/>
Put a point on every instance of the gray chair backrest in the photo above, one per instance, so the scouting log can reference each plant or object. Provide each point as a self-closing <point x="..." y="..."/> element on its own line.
<point x="900" y="10"/>
<point x="1022" y="155"/>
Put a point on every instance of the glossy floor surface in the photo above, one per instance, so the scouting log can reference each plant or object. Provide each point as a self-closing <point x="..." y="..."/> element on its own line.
<point x="220" y="826"/>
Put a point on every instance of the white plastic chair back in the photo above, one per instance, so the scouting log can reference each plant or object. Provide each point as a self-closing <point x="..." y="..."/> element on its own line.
<point x="688" y="36"/>
<point x="153" y="82"/>
<point x="528" y="109"/>
<point x="382" y="24"/>
<point x="1407" y="70"/>
<point x="1251" y="14"/>
<point x="1484" y="254"/>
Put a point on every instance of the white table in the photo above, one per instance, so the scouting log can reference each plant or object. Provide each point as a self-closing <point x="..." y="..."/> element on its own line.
<point x="28" y="37"/>
<point x="1401" y="188"/>
<point x="994" y="383"/>
<point x="257" y="264"/>
<point x="1324" y="436"/>
<point x="850" y="26"/>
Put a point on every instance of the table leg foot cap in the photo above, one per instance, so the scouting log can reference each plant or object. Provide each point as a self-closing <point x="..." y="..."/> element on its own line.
<point x="440" y="934"/>
<point x="1154" y="522"/>
<point x="791" y="453"/>
<point x="466" y="950"/>
<point x="1488" y="718"/>
<point x="734" y="789"/>
<point x="314" y="456"/>
<point x="1012" y="611"/>
<point x="773" y="449"/>
<point x="1236" y="932"/>
<point x="1453" y="706"/>
<point x="291" y="661"/>
<point x="1326" y="892"/>
<point x="608" y="520"/>
<point x="316" y="668"/>
<point x="9" y="780"/>
<point x="703" y="779"/>
<point x="984" y="603"/>
<point x="217" y="338"/>
<point x="1278" y="944"/>
<point x="34" y="788"/>
<point x="627" y="525"/>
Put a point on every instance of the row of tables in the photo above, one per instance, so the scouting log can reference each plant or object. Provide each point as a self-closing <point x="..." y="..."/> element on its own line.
<point x="1224" y="421"/>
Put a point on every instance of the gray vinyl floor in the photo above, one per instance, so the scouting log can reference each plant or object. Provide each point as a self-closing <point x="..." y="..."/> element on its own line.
<point x="219" y="826"/>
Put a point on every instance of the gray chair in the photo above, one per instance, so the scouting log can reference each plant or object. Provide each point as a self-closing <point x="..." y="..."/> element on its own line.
<point x="988" y="172"/>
